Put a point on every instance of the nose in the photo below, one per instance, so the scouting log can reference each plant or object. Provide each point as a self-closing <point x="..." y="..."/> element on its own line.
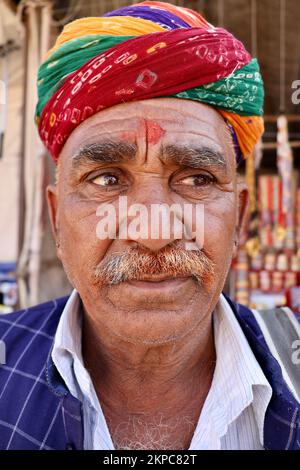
<point x="154" y="221"/>
<point x="156" y="242"/>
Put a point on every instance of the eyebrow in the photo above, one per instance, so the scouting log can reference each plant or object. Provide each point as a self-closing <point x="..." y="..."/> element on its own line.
<point x="104" y="152"/>
<point x="194" y="156"/>
<point x="121" y="151"/>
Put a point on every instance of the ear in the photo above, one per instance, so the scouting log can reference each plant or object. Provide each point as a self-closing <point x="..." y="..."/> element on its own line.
<point x="242" y="212"/>
<point x="52" y="202"/>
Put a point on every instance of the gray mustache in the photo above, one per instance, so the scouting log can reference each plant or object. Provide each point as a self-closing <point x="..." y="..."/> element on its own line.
<point x="135" y="263"/>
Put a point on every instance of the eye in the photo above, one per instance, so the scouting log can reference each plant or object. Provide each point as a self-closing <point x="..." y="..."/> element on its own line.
<point x="106" y="179"/>
<point x="197" y="180"/>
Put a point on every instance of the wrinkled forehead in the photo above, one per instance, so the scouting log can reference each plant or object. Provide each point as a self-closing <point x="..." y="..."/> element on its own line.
<point x="167" y="120"/>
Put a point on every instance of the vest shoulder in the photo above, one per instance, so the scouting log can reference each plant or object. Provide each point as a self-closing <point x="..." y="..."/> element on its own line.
<point x="35" y="316"/>
<point x="246" y="319"/>
<point x="29" y="333"/>
<point x="239" y="309"/>
<point x="26" y="397"/>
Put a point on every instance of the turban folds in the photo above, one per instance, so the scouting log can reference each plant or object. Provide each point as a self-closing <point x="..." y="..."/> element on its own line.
<point x="144" y="51"/>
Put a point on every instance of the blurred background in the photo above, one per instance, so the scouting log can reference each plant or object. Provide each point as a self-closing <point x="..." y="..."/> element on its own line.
<point x="266" y="271"/>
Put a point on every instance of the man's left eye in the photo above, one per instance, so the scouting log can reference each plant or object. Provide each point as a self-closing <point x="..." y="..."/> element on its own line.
<point x="197" y="180"/>
<point x="106" y="179"/>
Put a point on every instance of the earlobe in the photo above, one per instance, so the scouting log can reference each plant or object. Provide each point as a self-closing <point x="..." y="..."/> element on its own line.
<point x="51" y="195"/>
<point x="235" y="247"/>
<point x="243" y="211"/>
<point x="243" y="204"/>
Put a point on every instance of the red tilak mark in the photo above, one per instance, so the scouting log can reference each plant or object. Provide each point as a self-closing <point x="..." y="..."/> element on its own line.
<point x="154" y="131"/>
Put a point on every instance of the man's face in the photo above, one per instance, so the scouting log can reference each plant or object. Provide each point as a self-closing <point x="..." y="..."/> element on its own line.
<point x="160" y="151"/>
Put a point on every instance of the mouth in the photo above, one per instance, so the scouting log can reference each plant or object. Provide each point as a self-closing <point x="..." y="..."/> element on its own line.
<point x="159" y="281"/>
<point x="161" y="277"/>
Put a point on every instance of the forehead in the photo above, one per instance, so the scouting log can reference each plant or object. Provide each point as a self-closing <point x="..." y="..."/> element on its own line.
<point x="171" y="119"/>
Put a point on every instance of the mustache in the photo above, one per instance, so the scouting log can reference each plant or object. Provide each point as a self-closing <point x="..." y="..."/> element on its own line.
<point x="135" y="263"/>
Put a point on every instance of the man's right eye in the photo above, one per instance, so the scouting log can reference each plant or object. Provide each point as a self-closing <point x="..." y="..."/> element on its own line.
<point x="106" y="179"/>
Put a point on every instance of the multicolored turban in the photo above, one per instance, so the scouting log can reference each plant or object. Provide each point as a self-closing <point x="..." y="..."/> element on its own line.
<point x="148" y="50"/>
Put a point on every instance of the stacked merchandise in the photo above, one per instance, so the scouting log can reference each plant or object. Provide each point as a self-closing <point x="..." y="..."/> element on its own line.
<point x="266" y="278"/>
<point x="266" y="272"/>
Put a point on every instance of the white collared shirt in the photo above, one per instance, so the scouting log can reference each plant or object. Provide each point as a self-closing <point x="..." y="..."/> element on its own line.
<point x="233" y="413"/>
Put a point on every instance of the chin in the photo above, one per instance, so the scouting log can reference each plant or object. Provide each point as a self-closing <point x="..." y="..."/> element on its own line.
<point x="154" y="324"/>
<point x="141" y="312"/>
<point x="162" y="296"/>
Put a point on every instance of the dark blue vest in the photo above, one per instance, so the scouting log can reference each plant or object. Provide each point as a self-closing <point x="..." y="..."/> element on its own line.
<point x="38" y="412"/>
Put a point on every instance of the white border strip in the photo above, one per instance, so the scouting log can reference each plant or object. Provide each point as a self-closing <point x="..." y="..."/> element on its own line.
<point x="274" y="352"/>
<point x="292" y="318"/>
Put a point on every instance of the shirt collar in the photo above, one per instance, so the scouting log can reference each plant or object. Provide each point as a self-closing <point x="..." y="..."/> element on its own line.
<point x="238" y="380"/>
<point x="67" y="351"/>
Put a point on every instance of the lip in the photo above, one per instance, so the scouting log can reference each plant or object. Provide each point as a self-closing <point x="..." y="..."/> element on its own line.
<point x="159" y="282"/>
<point x="161" y="277"/>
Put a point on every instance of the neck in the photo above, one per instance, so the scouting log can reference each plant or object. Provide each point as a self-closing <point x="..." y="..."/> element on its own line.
<point x="155" y="382"/>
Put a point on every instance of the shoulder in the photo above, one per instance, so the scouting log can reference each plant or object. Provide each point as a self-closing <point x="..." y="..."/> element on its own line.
<point x="246" y="319"/>
<point x="43" y="317"/>
<point x="29" y="331"/>
<point x="30" y="416"/>
<point x="263" y="327"/>
<point x="251" y="319"/>
<point x="273" y="336"/>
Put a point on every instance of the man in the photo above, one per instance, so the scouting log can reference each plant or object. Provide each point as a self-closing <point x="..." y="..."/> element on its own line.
<point x="149" y="105"/>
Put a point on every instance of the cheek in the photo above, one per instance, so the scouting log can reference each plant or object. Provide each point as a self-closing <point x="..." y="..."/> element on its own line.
<point x="219" y="231"/>
<point x="80" y="248"/>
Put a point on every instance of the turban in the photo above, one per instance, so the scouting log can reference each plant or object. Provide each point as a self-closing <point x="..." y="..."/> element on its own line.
<point x="148" y="50"/>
